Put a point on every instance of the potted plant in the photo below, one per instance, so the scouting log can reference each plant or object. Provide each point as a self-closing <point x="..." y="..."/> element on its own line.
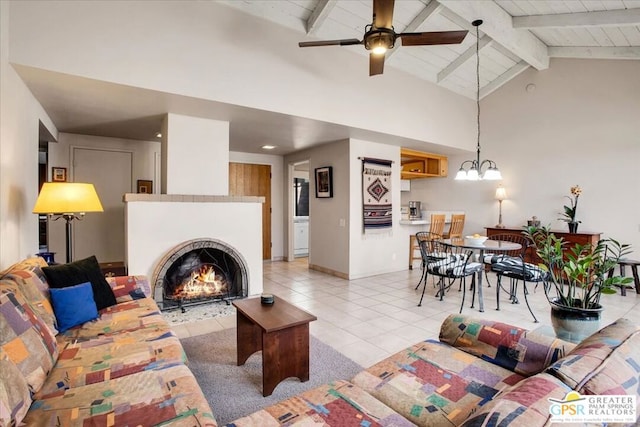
<point x="569" y="214"/>
<point x="576" y="279"/>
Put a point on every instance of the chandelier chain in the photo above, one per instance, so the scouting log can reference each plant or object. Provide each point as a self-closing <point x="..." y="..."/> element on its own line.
<point x="478" y="83"/>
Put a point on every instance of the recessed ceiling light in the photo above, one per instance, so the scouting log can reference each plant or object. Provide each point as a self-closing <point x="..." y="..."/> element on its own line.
<point x="158" y="135"/>
<point x="268" y="147"/>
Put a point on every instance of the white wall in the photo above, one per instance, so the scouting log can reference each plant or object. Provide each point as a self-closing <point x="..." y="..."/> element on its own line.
<point x="581" y="125"/>
<point x="277" y="197"/>
<point x="371" y="254"/>
<point x="20" y="115"/>
<point x="195" y="156"/>
<point x="211" y="51"/>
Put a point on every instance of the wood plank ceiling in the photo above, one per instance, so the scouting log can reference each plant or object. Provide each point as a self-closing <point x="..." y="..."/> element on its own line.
<point x="516" y="34"/>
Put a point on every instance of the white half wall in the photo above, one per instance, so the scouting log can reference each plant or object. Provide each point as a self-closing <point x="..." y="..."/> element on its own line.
<point x="154" y="227"/>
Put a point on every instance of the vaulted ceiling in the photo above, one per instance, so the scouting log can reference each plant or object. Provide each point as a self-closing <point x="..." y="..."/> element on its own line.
<point x="515" y="35"/>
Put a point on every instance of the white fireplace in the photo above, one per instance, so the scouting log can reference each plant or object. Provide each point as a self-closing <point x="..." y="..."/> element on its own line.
<point x="156" y="223"/>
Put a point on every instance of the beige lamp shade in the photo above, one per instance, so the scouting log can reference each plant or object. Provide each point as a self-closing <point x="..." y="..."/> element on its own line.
<point x="67" y="198"/>
<point x="501" y="193"/>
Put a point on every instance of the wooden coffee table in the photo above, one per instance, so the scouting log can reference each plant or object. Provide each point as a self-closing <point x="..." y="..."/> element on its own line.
<point x="281" y="331"/>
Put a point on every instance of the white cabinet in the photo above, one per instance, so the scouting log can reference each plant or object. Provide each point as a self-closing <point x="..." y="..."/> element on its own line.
<point x="301" y="237"/>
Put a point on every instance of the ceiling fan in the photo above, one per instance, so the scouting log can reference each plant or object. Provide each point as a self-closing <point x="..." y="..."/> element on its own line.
<point x="380" y="36"/>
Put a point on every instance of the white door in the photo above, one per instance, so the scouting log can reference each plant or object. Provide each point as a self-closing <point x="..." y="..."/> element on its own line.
<point x="102" y="233"/>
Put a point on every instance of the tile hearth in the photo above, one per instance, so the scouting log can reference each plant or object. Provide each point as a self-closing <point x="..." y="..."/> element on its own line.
<point x="370" y="319"/>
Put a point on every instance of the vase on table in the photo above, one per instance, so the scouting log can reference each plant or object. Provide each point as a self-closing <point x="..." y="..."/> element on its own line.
<point x="573" y="227"/>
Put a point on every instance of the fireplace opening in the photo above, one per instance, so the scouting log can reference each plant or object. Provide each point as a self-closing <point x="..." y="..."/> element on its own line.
<point x="200" y="271"/>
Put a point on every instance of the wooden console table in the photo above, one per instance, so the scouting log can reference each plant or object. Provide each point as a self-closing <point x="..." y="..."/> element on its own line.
<point x="572" y="239"/>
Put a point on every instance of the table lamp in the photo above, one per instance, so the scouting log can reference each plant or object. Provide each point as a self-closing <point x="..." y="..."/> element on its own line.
<point x="68" y="200"/>
<point x="501" y="194"/>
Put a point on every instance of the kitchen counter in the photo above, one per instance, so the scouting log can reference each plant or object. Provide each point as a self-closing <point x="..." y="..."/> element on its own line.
<point x="426" y="218"/>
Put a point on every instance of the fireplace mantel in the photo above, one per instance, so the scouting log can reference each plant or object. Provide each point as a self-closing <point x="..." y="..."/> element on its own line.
<point x="189" y="198"/>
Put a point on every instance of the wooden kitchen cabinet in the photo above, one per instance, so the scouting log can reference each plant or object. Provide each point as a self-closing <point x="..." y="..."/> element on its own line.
<point x="572" y="239"/>
<point x="418" y="164"/>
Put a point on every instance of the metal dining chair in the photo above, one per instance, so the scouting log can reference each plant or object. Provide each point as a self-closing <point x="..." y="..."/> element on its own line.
<point x="424" y="240"/>
<point x="451" y="263"/>
<point x="512" y="264"/>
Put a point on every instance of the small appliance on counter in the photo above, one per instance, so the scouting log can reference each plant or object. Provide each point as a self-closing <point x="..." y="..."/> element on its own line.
<point x="415" y="210"/>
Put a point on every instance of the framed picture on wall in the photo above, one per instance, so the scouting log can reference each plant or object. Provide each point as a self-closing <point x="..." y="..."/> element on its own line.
<point x="324" y="182"/>
<point x="145" y="186"/>
<point x="58" y="174"/>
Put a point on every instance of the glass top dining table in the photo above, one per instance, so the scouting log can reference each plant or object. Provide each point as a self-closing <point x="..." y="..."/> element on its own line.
<point x="492" y="246"/>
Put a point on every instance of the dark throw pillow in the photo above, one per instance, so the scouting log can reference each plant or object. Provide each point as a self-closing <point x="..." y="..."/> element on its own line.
<point x="73" y="305"/>
<point x="84" y="270"/>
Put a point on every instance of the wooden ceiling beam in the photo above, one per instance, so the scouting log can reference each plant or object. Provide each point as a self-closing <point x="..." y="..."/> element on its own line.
<point x="605" y="18"/>
<point x="593" y="52"/>
<point x="319" y="15"/>
<point x="503" y="78"/>
<point x="432" y="9"/>
<point x="498" y="25"/>
<point x="464" y="57"/>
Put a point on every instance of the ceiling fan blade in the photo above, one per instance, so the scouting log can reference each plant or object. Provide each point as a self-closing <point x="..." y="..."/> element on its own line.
<point x="343" y="42"/>
<point x="383" y="13"/>
<point x="433" y="37"/>
<point x="376" y="64"/>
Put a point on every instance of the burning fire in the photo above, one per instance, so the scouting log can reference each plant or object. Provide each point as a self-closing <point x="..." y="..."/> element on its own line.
<point x="203" y="283"/>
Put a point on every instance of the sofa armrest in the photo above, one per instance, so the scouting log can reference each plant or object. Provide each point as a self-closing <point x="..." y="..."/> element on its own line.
<point x="129" y="288"/>
<point x="517" y="349"/>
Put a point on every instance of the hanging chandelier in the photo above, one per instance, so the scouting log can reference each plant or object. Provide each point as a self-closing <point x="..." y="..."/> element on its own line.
<point x="475" y="171"/>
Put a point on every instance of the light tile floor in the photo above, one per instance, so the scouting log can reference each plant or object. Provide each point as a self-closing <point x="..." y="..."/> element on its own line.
<point x="372" y="318"/>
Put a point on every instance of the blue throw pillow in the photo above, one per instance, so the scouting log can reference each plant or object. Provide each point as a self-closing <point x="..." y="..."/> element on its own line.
<point x="73" y="305"/>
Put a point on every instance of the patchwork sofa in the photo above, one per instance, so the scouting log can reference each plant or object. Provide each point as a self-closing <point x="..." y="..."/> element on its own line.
<point x="480" y="373"/>
<point x="125" y="368"/>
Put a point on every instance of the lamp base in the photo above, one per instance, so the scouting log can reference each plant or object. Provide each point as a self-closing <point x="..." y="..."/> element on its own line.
<point x="500" y="226"/>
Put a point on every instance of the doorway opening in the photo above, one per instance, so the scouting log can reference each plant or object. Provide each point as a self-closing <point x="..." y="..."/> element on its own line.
<point x="298" y="212"/>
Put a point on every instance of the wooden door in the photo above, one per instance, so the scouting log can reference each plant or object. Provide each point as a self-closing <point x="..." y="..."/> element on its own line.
<point x="254" y="180"/>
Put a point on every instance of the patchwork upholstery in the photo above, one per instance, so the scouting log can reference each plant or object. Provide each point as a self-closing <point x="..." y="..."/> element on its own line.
<point x="26" y="340"/>
<point x="125" y="368"/>
<point x="167" y="396"/>
<point x="124" y="317"/>
<point x="27" y="277"/>
<point x="525" y="404"/>
<point x="589" y="366"/>
<point x="513" y="348"/>
<point x="129" y="288"/>
<point x="336" y="404"/>
<point x="432" y="383"/>
<point x="108" y="357"/>
<point x="15" y="396"/>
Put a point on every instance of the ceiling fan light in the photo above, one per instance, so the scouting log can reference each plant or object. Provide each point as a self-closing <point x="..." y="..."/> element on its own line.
<point x="379" y="50"/>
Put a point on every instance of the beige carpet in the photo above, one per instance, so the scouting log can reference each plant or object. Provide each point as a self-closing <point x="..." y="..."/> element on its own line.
<point x="235" y="391"/>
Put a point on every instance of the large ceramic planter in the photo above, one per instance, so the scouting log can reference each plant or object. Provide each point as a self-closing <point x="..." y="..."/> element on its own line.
<point x="574" y="324"/>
